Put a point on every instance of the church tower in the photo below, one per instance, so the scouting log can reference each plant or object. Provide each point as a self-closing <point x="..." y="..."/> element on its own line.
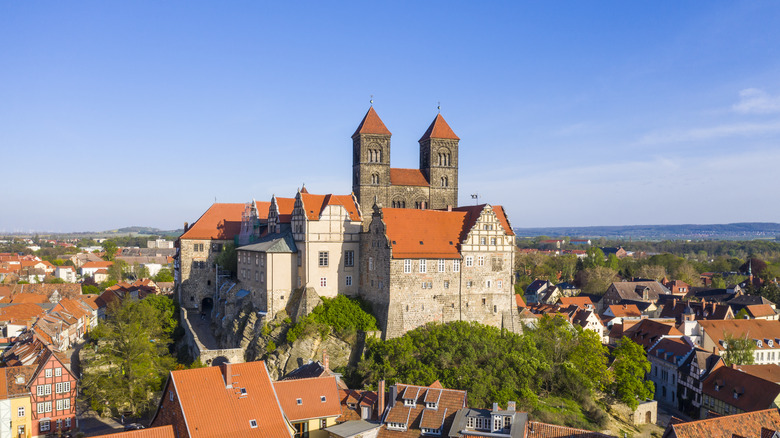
<point x="439" y="163"/>
<point x="371" y="161"/>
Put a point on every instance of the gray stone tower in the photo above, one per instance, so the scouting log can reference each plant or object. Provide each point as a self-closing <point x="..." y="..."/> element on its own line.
<point x="439" y="163"/>
<point x="371" y="161"/>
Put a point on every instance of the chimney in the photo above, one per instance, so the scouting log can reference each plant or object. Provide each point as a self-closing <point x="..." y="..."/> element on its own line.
<point x="325" y="359"/>
<point x="186" y="227"/>
<point x="227" y="373"/>
<point x="511" y="406"/>
<point x="449" y="208"/>
<point x="733" y="366"/>
<point x="380" y="393"/>
<point x="495" y="407"/>
<point x="674" y="302"/>
<point x="714" y="350"/>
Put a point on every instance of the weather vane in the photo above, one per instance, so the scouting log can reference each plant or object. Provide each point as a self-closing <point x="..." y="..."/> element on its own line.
<point x="371" y="101"/>
<point x="438" y="106"/>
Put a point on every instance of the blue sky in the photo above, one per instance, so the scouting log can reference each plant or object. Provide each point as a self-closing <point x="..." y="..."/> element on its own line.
<point x="115" y="114"/>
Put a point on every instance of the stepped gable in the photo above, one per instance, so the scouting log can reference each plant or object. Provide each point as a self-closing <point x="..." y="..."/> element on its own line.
<point x="408" y="177"/>
<point x="219" y="222"/>
<point x="439" y="129"/>
<point x="748" y="424"/>
<point x="371" y="124"/>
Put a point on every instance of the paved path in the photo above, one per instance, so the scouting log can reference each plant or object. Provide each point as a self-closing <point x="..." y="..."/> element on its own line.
<point x="202" y="328"/>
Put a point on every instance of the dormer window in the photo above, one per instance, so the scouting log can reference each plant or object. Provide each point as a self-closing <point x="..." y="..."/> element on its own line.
<point x="770" y="343"/>
<point x="432" y="405"/>
<point x="759" y="343"/>
<point x="243" y="391"/>
<point x="410" y="402"/>
<point x="322" y="398"/>
<point x="299" y="401"/>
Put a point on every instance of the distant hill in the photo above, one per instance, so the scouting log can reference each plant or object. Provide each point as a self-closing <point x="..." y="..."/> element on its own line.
<point x="736" y="231"/>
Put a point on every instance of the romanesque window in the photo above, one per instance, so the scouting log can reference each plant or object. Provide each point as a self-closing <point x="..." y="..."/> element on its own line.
<point x="407" y="266"/>
<point x="323" y="258"/>
<point x="441" y="265"/>
<point x="423" y="267"/>
<point x="445" y="181"/>
<point x="349" y="258"/>
<point x="444" y="157"/>
<point x="375" y="178"/>
<point x="456" y="266"/>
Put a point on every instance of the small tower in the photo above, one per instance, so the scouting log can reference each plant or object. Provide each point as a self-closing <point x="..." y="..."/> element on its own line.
<point x="371" y="159"/>
<point x="439" y="163"/>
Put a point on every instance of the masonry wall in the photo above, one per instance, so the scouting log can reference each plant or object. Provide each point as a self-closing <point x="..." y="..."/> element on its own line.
<point x="197" y="283"/>
<point x="169" y="412"/>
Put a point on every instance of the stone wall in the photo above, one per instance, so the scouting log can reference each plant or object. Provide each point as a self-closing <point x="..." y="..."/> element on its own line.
<point x="197" y="350"/>
<point x="195" y="282"/>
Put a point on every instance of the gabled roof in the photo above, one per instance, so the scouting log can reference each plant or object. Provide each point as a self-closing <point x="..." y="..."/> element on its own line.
<point x="625" y="310"/>
<point x="285" y="207"/>
<point x="219" y="222"/>
<point x="449" y="402"/>
<point x="315" y="204"/>
<point x="581" y="302"/>
<point x="630" y="290"/>
<point x="759" y="329"/>
<point x="319" y="398"/>
<point x="371" y="124"/>
<point x="672" y="350"/>
<point x="647" y="332"/>
<point x="228" y="411"/>
<point x="262" y="209"/>
<point x="535" y="429"/>
<point x="100" y="264"/>
<point x="424" y="233"/>
<point x="748" y="424"/>
<point x="753" y="393"/>
<point x="760" y="310"/>
<point x="439" y="129"/>
<point x="768" y="371"/>
<point x="273" y="243"/>
<point x="408" y="177"/>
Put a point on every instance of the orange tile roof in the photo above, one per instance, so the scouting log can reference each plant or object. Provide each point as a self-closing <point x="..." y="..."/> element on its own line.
<point x="740" y="328"/>
<point x="285" y="207"/>
<point x="371" y="124"/>
<point x="29" y="298"/>
<point x="748" y="424"/>
<point x="449" y="401"/>
<point x="219" y="222"/>
<point x="408" y="177"/>
<point x="152" y="432"/>
<point x="315" y="204"/>
<point x="519" y="300"/>
<point x="228" y="412"/>
<point x="581" y="302"/>
<point x="501" y="215"/>
<point x="96" y="265"/>
<point x="439" y="129"/>
<point x="648" y="331"/>
<point x="625" y="310"/>
<point x="754" y="393"/>
<point x="11" y="373"/>
<point x="262" y="209"/>
<point x="311" y="393"/>
<point x="20" y="312"/>
<point x="760" y="310"/>
<point x="535" y="429"/>
<point x="768" y="371"/>
<point x="424" y="233"/>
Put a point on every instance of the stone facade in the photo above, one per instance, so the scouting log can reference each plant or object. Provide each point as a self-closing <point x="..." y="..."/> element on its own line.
<point x="474" y="284"/>
<point x="196" y="270"/>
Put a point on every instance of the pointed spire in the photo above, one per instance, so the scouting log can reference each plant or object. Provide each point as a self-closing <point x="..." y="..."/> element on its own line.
<point x="439" y="129"/>
<point x="371" y="124"/>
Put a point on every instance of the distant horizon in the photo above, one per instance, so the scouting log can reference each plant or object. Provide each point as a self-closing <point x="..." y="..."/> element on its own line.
<point x="623" y="112"/>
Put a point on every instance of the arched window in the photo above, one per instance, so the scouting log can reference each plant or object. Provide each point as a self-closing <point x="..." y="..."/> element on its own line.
<point x="445" y="181"/>
<point x="375" y="179"/>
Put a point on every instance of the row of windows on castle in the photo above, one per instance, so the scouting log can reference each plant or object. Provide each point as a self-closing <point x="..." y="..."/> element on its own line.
<point x="445" y="158"/>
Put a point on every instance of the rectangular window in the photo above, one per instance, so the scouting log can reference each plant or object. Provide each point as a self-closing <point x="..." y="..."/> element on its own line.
<point x="323" y="258"/>
<point x="469" y="261"/>
<point x="59" y="405"/>
<point x="58" y="388"/>
<point x="492" y="240"/>
<point x="57" y="372"/>
<point x="500" y="284"/>
<point x="349" y="280"/>
<point x="39" y="390"/>
<point x="481" y="261"/>
<point x="456" y="266"/>
<point x="423" y="267"/>
<point x="20" y="411"/>
<point x="482" y="241"/>
<point x="407" y="266"/>
<point x="45" y="425"/>
<point x="324" y="281"/>
<point x="67" y="422"/>
<point x="257" y="259"/>
<point x="257" y="276"/>
<point x="349" y="258"/>
<point x="370" y="263"/>
<point x="48" y="372"/>
<point x="46" y="389"/>
<point x="41" y="408"/>
<point x="47" y="406"/>
<point x="323" y="423"/>
<point x="441" y="265"/>
<point x="446" y="284"/>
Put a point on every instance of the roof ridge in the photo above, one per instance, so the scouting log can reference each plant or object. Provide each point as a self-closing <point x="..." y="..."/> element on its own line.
<point x="439" y="128"/>
<point x="371" y="124"/>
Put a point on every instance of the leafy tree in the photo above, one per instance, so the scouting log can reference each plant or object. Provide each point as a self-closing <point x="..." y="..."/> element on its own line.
<point x="595" y="257"/>
<point x="109" y="247"/>
<point x="688" y="274"/>
<point x="771" y="291"/>
<point x="739" y="351"/>
<point x="53" y="280"/>
<point x="89" y="289"/>
<point x="131" y="360"/>
<point x="164" y="276"/>
<point x="116" y="272"/>
<point x="140" y="271"/>
<point x="228" y="259"/>
<point x="630" y="368"/>
<point x="742" y="314"/>
<point x="654" y="272"/>
<point x="613" y="262"/>
<point x="596" y="280"/>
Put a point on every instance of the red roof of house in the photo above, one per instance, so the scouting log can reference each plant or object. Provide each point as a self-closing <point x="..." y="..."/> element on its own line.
<point x="439" y="129"/>
<point x="219" y="222"/>
<point x="152" y="432"/>
<point x="625" y="310"/>
<point x="371" y="124"/>
<point x="753" y="393"/>
<point x="89" y="265"/>
<point x="424" y="233"/>
<point x="212" y="409"/>
<point x="748" y="424"/>
<point x="501" y="215"/>
<point x="408" y="177"/>
<point x="759" y="310"/>
<point x="285" y="207"/>
<point x="29" y="298"/>
<point x="580" y="302"/>
<point x="262" y="209"/>
<point x="20" y="312"/>
<point x="319" y="398"/>
<point x="315" y="204"/>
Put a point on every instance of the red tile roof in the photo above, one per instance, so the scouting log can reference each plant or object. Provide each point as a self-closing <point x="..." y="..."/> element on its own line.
<point x="449" y="401"/>
<point x="262" y="209"/>
<point x="535" y="429"/>
<point x="648" y="331"/>
<point x="759" y="329"/>
<point x="625" y="310"/>
<point x="319" y="398"/>
<point x="760" y="310"/>
<point x="285" y="207"/>
<point x="748" y="424"/>
<point x="153" y="432"/>
<point x="581" y="302"/>
<point x="228" y="411"/>
<point x="315" y="204"/>
<point x="768" y="371"/>
<point x="21" y="312"/>
<point x="29" y="298"/>
<point x="371" y="124"/>
<point x="501" y="215"/>
<point x="408" y="177"/>
<point x="96" y="265"/>
<point x="424" y="233"/>
<point x="754" y="393"/>
<point x="439" y="129"/>
<point x="219" y="222"/>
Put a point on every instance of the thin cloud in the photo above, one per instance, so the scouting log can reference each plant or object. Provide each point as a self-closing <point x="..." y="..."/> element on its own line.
<point x="756" y="101"/>
<point x="712" y="132"/>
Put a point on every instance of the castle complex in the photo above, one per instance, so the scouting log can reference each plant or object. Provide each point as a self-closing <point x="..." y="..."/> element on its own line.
<point x="399" y="241"/>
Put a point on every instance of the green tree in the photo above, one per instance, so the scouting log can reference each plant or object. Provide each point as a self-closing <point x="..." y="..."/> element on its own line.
<point x="653" y="272"/>
<point x="109" y="247"/>
<point x="742" y="314"/>
<point x="140" y="271"/>
<point x="687" y="273"/>
<point x="228" y="259"/>
<point x="53" y="280"/>
<point x="116" y="272"/>
<point x="596" y="280"/>
<point x="164" y="276"/>
<point x="595" y="257"/>
<point x="739" y="351"/>
<point x="630" y="368"/>
<point x="131" y="359"/>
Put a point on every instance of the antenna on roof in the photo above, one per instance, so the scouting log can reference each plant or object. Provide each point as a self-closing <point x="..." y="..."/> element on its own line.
<point x="371" y="101"/>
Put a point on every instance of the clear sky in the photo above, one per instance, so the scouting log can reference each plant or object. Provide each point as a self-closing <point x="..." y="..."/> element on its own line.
<point x="115" y="114"/>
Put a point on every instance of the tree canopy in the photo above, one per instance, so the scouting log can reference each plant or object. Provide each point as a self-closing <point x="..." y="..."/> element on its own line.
<point x="630" y="368"/>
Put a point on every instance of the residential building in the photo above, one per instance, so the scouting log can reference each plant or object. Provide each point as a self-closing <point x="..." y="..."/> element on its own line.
<point x="694" y="369"/>
<point x="15" y="407"/>
<point x="698" y="310"/>
<point x="542" y="292"/>
<point x="420" y="410"/>
<point x="53" y="391"/>
<point x="153" y="432"/>
<point x="310" y="405"/>
<point x="241" y="398"/>
<point x="66" y="273"/>
<point x="761" y="311"/>
<point x="421" y="266"/>
<point x="756" y="424"/>
<point x="644" y="291"/>
<point x="496" y="422"/>
<point x="666" y="357"/>
<point x="728" y="391"/>
<point x="765" y="335"/>
<point x="90" y="268"/>
<point x="649" y="331"/>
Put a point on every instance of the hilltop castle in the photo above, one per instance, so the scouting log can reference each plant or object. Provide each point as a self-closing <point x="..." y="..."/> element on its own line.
<point x="399" y="241"/>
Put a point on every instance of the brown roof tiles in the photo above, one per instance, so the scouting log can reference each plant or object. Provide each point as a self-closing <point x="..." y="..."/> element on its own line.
<point x="219" y="222"/>
<point x="371" y="124"/>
